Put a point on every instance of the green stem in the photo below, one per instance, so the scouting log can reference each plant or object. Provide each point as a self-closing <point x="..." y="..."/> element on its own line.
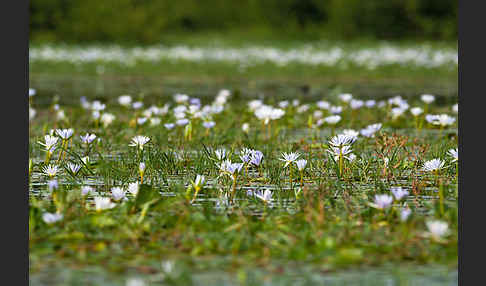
<point x="233" y="187"/>
<point x="341" y="159"/>
<point x="291" y="186"/>
<point x="301" y="179"/>
<point x="195" y="195"/>
<point x="441" y="198"/>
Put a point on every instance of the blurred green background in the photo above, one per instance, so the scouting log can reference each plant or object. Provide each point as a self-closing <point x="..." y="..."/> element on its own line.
<point x="149" y="22"/>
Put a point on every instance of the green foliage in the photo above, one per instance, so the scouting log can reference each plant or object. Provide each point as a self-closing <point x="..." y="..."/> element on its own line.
<point x="145" y="21"/>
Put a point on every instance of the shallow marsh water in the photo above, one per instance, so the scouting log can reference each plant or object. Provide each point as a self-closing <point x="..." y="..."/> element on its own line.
<point x="388" y="275"/>
<point x="397" y="274"/>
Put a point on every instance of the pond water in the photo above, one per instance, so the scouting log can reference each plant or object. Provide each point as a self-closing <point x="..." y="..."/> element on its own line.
<point x="389" y="275"/>
<point x="71" y="89"/>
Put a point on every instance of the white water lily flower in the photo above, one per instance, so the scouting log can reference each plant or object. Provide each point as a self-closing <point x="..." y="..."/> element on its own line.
<point x="50" y="170"/>
<point x="397" y="112"/>
<point x="289" y="158"/>
<point x="442" y="119"/>
<point x="322" y="104"/>
<point x="437" y="228"/>
<point x="295" y="102"/>
<point x="351" y="133"/>
<point x="455" y="108"/>
<point x="85" y="190"/>
<point x="98" y="106"/>
<point x="65" y="134"/>
<point x="84" y="102"/>
<point x="135" y="282"/>
<point x="60" y="115"/>
<point x="234" y="167"/>
<point x="125" y="100"/>
<point x="246" y="155"/>
<point x="103" y="203"/>
<point x="397" y="100"/>
<point x="427" y="98"/>
<point x="222" y="97"/>
<point x="216" y="109"/>
<point x="267" y="113"/>
<point x="182" y="122"/>
<point x="197" y="101"/>
<point x="265" y="196"/>
<point x="370" y="103"/>
<point x="370" y="130"/>
<point x="256" y="157"/>
<point x="107" y="119"/>
<point x="208" y="124"/>
<point x="345" y="97"/>
<point x="301" y="164"/>
<point x="336" y="109"/>
<point x="220" y="154"/>
<point x="254" y="104"/>
<point x="193" y="109"/>
<point x="230" y="168"/>
<point x="399" y="192"/>
<point x="88" y="138"/>
<point x="333" y="119"/>
<point x="95" y="114"/>
<point x="141" y="167"/>
<point x="52" y="184"/>
<point x="141" y="120"/>
<point x="32" y="113"/>
<point x="356" y="103"/>
<point x="454" y="154"/>
<point x="345" y="151"/>
<point x="318" y="114"/>
<point x="154" y="121"/>
<point x="383" y="201"/>
<point x="117" y="193"/>
<point x="283" y="104"/>
<point x="180" y="98"/>
<point x="139" y="141"/>
<point x="303" y="108"/>
<point x="405" y="213"/>
<point x="198" y="182"/>
<point x="319" y="122"/>
<point x="245" y="127"/>
<point x="341" y="140"/>
<point x="74" y="168"/>
<point x="51" y="218"/>
<point x="137" y="105"/>
<point x="32" y="92"/>
<point x="168" y="266"/>
<point x="50" y="143"/>
<point x="416" y="111"/>
<point x="433" y="165"/>
<point x="182" y="109"/>
<point x="169" y="126"/>
<point x="133" y="188"/>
